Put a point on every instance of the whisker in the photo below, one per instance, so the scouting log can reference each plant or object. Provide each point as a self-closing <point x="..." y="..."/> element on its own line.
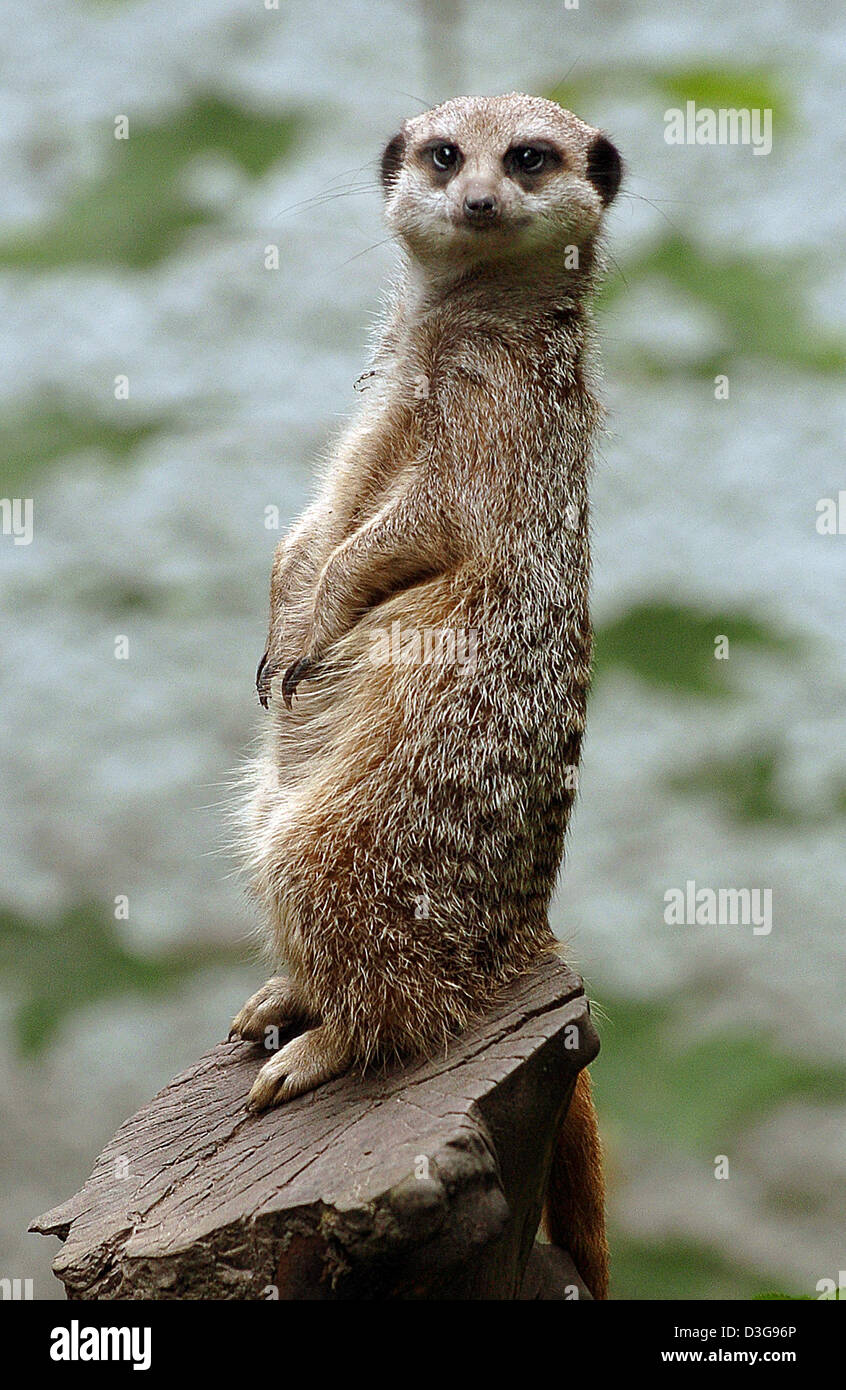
<point x="627" y="193"/>
<point x="561" y="80"/>
<point x="327" y="196"/>
<point x="618" y="268"/>
<point x="350" y="174"/>
<point x="411" y="97"/>
<point x="374" y="247"/>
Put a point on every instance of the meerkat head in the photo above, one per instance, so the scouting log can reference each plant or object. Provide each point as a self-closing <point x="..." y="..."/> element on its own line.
<point x="483" y="179"/>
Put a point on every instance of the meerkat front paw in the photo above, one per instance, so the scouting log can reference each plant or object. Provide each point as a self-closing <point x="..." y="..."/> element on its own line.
<point x="299" y="1066"/>
<point x="275" y="1005"/>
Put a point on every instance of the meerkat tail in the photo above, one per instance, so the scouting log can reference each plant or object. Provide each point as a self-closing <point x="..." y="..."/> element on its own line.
<point x="574" y="1215"/>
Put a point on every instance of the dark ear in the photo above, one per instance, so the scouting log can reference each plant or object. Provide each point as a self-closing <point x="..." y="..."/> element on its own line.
<point x="392" y="157"/>
<point x="604" y="168"/>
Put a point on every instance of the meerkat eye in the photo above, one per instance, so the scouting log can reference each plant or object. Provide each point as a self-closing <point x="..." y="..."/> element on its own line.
<point x="528" y="159"/>
<point x="444" y="156"/>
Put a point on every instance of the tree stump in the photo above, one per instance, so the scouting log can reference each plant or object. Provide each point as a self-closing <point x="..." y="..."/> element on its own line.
<point x="425" y="1181"/>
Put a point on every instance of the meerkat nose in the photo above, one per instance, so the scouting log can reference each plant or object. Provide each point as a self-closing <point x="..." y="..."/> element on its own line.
<point x="481" y="207"/>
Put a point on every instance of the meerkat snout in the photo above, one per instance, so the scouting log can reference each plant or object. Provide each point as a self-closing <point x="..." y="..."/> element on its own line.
<point x="495" y="178"/>
<point x="480" y="206"/>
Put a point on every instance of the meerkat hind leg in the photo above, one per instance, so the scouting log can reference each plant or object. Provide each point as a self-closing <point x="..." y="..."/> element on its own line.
<point x="275" y="1005"/>
<point x="301" y="1065"/>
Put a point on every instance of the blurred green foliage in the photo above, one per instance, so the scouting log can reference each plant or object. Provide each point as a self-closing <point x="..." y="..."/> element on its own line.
<point x="648" y="1270"/>
<point x="51" y="431"/>
<point x="747" y="789"/>
<point x="59" y="967"/>
<point x="752" y="88"/>
<point x="587" y="87"/>
<point x="714" y="1086"/>
<point x="670" y="646"/>
<point x="659" y="1086"/>
<point x="760" y="307"/>
<point x="138" y="210"/>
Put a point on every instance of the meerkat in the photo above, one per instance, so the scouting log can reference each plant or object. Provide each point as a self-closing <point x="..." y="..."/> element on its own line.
<point x="407" y="816"/>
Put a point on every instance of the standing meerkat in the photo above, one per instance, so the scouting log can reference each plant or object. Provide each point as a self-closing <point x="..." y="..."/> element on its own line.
<point x="429" y="651"/>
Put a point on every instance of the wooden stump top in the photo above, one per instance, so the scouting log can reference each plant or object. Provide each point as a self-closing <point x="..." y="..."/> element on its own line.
<point x="425" y="1181"/>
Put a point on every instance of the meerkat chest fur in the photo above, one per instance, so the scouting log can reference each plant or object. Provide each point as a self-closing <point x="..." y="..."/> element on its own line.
<point x="463" y="369"/>
<point x="487" y="400"/>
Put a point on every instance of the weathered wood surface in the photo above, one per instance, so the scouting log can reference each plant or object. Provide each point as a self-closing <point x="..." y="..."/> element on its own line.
<point x="425" y="1182"/>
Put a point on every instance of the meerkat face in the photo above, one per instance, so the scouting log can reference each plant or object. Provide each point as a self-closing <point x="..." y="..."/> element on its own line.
<point x="490" y="178"/>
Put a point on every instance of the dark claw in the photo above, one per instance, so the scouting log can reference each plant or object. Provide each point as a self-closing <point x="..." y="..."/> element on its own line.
<point x="292" y="677"/>
<point x="264" y="675"/>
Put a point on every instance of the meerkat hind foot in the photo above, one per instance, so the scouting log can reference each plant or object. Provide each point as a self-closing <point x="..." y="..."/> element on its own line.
<point x="273" y="1006"/>
<point x="301" y="1065"/>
